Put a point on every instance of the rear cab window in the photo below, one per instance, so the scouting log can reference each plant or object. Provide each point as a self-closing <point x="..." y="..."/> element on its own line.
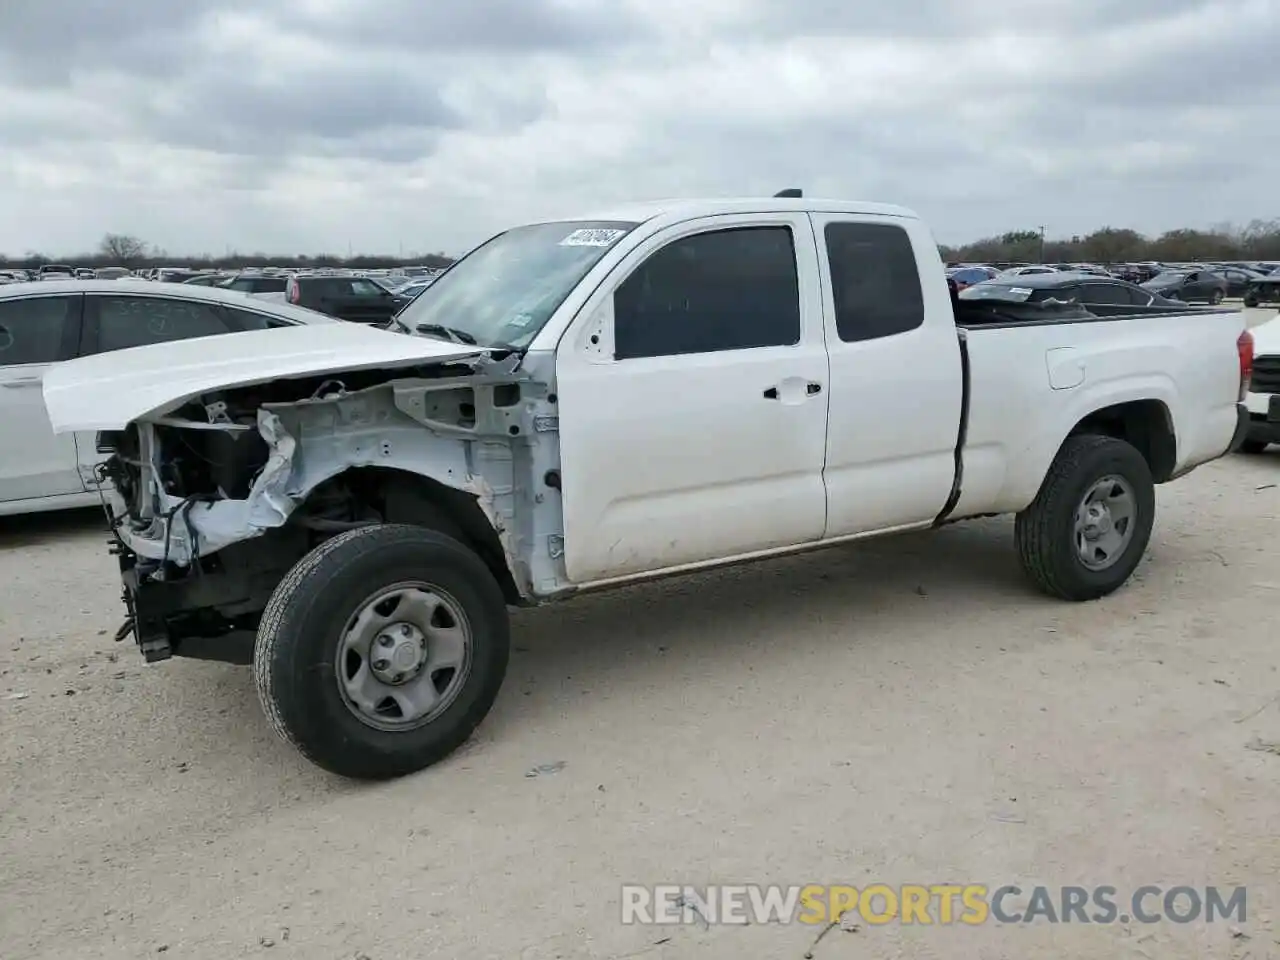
<point x="875" y="280"/>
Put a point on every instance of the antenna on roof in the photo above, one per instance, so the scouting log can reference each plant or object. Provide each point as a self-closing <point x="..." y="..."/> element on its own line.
<point x="791" y="193"/>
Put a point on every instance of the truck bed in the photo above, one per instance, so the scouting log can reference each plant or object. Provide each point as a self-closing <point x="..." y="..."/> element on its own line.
<point x="1029" y="380"/>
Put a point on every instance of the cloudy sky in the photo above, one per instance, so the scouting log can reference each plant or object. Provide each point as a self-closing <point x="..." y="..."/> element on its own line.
<point x="422" y="125"/>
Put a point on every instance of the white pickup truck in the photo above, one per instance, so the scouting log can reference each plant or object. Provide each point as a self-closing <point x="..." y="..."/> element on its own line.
<point x="595" y="401"/>
<point x="1263" y="398"/>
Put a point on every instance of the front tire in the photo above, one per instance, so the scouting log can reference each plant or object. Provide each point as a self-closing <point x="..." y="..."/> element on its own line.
<point x="1086" y="531"/>
<point x="1254" y="446"/>
<point x="1215" y="298"/>
<point x="382" y="650"/>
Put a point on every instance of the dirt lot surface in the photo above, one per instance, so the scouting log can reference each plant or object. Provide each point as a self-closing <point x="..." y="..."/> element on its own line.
<point x="905" y="711"/>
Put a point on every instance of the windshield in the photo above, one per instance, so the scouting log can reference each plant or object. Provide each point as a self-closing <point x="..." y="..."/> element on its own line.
<point x="1171" y="276"/>
<point x="504" y="291"/>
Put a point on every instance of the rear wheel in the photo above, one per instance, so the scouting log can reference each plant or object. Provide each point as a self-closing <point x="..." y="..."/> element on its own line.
<point x="1086" y="531"/>
<point x="1253" y="446"/>
<point x="382" y="650"/>
<point x="1250" y="299"/>
<point x="1215" y="298"/>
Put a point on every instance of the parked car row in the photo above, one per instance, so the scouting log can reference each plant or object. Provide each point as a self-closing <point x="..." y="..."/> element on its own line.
<point x="1255" y="283"/>
<point x="372" y="297"/>
<point x="1087" y="289"/>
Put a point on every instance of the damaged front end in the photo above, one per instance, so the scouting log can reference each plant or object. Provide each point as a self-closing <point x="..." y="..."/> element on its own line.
<point x="212" y="503"/>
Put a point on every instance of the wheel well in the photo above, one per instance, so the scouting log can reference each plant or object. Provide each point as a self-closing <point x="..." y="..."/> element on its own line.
<point x="398" y="496"/>
<point x="1145" y="425"/>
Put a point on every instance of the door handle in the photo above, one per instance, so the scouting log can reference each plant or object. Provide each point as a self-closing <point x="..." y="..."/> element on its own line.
<point x="21" y="382"/>
<point x="810" y="388"/>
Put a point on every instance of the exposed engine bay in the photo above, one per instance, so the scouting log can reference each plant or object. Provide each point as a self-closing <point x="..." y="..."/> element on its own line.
<point x="215" y="501"/>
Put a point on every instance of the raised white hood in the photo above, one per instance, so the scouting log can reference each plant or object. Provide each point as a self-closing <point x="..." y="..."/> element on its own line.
<point x="108" y="390"/>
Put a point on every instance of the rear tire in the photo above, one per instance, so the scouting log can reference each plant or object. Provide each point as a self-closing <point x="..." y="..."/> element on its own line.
<point x="1215" y="298"/>
<point x="1250" y="300"/>
<point x="350" y="586"/>
<point x="1254" y="446"/>
<point x="1051" y="544"/>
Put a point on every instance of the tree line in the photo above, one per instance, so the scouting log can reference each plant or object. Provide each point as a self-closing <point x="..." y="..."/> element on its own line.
<point x="123" y="250"/>
<point x="1258" y="240"/>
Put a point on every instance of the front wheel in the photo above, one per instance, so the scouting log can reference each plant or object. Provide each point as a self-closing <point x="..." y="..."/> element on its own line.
<point x="1250" y="300"/>
<point x="1253" y="446"/>
<point x="1215" y="298"/>
<point x="382" y="650"/>
<point x="1084" y="534"/>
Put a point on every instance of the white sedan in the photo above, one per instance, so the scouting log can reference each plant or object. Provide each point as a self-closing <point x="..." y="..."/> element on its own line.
<point x="44" y="323"/>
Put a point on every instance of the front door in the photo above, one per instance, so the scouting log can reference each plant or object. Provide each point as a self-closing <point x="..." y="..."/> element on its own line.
<point x="693" y="401"/>
<point x="35" y="333"/>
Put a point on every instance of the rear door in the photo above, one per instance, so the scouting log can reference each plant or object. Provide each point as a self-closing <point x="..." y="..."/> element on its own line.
<point x="896" y="380"/>
<point x="35" y="333"/>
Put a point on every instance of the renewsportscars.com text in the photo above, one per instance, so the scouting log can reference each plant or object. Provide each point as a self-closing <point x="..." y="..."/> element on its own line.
<point x="942" y="904"/>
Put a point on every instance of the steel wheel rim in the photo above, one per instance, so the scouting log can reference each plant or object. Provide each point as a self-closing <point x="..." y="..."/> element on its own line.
<point x="1104" y="522"/>
<point x="403" y="656"/>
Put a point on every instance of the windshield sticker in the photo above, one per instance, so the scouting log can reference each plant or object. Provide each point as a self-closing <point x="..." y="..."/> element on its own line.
<point x="592" y="238"/>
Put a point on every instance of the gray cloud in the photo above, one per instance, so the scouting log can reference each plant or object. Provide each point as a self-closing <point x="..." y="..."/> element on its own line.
<point x="933" y="19"/>
<point x="495" y="26"/>
<point x="365" y="108"/>
<point x="312" y="125"/>
<point x="47" y="42"/>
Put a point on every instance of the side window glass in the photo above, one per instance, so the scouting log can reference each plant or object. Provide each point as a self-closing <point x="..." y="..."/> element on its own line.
<point x="240" y="320"/>
<point x="733" y="289"/>
<point x="125" y="322"/>
<point x="34" y="329"/>
<point x="875" y="280"/>
<point x="365" y="288"/>
<point x="1139" y="297"/>
<point x="1105" y="293"/>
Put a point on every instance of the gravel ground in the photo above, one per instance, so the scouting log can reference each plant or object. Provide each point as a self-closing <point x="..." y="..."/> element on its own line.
<point x="905" y="710"/>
